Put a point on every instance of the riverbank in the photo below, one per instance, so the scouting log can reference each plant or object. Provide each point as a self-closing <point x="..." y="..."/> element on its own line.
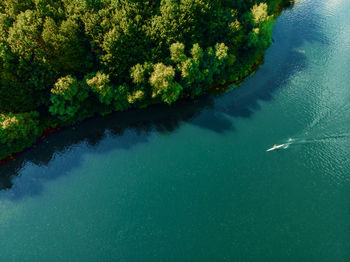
<point x="214" y="90"/>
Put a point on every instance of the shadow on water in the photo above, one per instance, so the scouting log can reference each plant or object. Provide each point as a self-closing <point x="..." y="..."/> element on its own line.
<point x="132" y="127"/>
<point x="135" y="126"/>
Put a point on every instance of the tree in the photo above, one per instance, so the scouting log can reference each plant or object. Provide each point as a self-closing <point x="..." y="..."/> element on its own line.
<point x="140" y="74"/>
<point x="163" y="85"/>
<point x="67" y="48"/>
<point x="67" y="97"/>
<point x="120" y="102"/>
<point x="19" y="128"/>
<point x="25" y="73"/>
<point x="101" y="85"/>
<point x="259" y="13"/>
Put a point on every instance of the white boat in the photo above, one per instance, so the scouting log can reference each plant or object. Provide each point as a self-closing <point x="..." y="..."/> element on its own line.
<point x="275" y="147"/>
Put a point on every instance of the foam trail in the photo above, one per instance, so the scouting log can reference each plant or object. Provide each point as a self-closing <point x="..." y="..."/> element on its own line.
<point x="320" y="139"/>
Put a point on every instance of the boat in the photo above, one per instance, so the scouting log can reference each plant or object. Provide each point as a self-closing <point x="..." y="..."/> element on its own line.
<point x="275" y="147"/>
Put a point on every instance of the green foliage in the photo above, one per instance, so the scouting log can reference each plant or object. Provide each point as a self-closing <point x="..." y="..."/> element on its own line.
<point x="192" y="77"/>
<point x="177" y="52"/>
<point x="163" y="85"/>
<point x="259" y="13"/>
<point x="120" y="101"/>
<point x="24" y="72"/>
<point x="101" y="85"/>
<point x="140" y="74"/>
<point x="42" y="41"/>
<point x="18" y="128"/>
<point x="108" y="93"/>
<point x="66" y="47"/>
<point x="67" y="97"/>
<point x="135" y="96"/>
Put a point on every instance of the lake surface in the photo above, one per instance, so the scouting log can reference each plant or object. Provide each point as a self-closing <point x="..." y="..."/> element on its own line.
<point x="193" y="182"/>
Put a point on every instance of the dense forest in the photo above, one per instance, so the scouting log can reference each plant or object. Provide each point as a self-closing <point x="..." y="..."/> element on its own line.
<point x="64" y="60"/>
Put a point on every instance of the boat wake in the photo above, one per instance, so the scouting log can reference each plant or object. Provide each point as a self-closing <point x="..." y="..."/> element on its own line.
<point x="318" y="129"/>
<point x="321" y="139"/>
<point x="304" y="141"/>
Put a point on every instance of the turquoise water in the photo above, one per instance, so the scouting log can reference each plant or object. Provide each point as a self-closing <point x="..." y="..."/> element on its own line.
<point x="193" y="182"/>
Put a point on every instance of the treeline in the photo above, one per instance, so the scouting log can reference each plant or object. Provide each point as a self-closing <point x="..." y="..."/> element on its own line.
<point x="63" y="60"/>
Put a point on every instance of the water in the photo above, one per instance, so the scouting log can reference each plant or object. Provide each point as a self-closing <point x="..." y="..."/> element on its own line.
<point x="194" y="182"/>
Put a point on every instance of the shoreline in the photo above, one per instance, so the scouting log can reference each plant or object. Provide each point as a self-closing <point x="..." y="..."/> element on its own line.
<point x="216" y="89"/>
<point x="47" y="124"/>
<point x="46" y="133"/>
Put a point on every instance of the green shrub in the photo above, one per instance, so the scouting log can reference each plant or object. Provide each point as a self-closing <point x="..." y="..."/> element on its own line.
<point x="21" y="128"/>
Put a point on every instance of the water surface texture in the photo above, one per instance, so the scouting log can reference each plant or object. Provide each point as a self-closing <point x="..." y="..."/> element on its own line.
<point x="193" y="182"/>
